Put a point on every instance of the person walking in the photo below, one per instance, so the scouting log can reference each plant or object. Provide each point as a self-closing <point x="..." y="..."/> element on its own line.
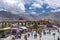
<point x="49" y="31"/>
<point x="20" y="35"/>
<point x="35" y="35"/>
<point x="25" y="37"/>
<point x="44" y="32"/>
<point x="13" y="38"/>
<point x="54" y="35"/>
<point x="58" y="38"/>
<point x="28" y="35"/>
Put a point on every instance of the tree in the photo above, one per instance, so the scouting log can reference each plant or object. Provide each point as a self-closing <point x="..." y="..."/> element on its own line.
<point x="35" y="26"/>
<point x="5" y="24"/>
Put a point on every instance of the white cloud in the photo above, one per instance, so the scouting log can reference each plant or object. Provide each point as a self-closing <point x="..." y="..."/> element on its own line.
<point x="12" y="5"/>
<point x="33" y="12"/>
<point x="1" y="9"/>
<point x="28" y="1"/>
<point x="39" y="1"/>
<point x="43" y="11"/>
<point x="21" y="6"/>
<point x="35" y="5"/>
<point x="55" y="10"/>
<point x="53" y="3"/>
<point x="18" y="5"/>
<point x="10" y="2"/>
<point x="47" y="7"/>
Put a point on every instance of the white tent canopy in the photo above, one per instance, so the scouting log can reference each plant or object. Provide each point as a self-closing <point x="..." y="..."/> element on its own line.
<point x="23" y="27"/>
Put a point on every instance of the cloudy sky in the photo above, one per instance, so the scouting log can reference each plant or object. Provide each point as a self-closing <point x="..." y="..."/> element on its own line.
<point x="30" y="6"/>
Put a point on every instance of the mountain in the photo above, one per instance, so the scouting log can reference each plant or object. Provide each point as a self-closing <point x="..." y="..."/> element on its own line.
<point x="5" y="14"/>
<point x="51" y="15"/>
<point x="9" y="15"/>
<point x="26" y="16"/>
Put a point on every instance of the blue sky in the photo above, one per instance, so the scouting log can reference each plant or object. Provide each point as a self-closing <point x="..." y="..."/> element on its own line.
<point x="38" y="10"/>
<point x="30" y="6"/>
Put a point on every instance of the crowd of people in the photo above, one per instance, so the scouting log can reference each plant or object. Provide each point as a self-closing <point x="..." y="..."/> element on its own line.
<point x="19" y="35"/>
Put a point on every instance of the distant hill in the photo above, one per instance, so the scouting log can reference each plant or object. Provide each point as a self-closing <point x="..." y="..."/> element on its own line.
<point x="26" y="16"/>
<point x="4" y="14"/>
<point x="51" y="15"/>
<point x="9" y="15"/>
